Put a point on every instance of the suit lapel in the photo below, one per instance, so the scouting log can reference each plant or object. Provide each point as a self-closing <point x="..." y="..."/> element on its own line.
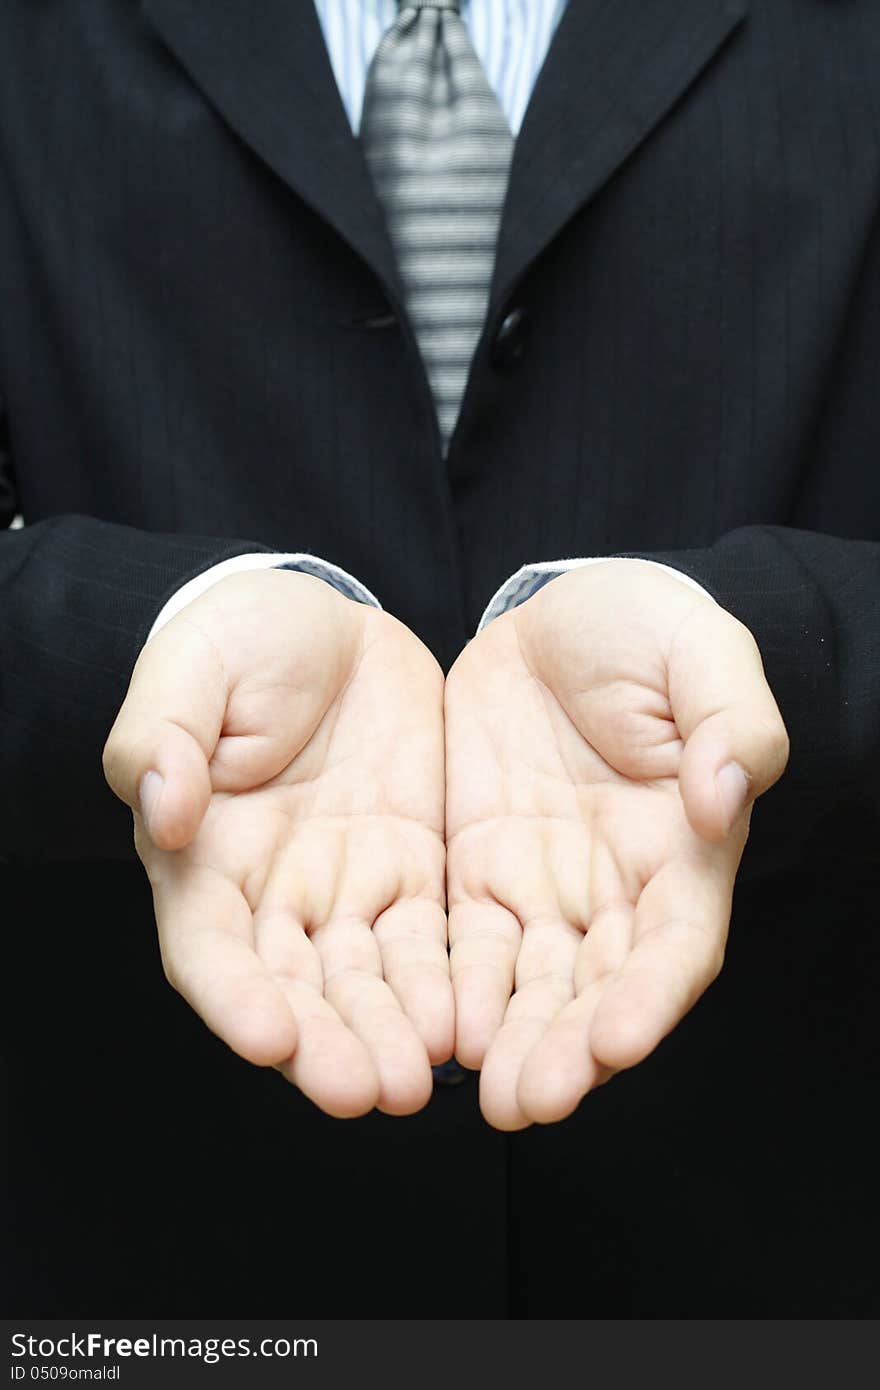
<point x="613" y="70"/>
<point x="264" y="66"/>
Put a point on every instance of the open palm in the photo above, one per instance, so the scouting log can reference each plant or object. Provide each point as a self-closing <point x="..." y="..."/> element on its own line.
<point x="591" y="854"/>
<point x="295" y="848"/>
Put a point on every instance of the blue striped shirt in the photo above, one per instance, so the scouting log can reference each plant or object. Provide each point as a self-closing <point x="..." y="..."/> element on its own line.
<point x="510" y="38"/>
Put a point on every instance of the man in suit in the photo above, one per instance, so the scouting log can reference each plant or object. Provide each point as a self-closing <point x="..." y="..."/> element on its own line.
<point x="205" y="337"/>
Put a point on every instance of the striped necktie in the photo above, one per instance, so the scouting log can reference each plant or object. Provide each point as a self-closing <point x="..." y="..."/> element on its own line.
<point x="439" y="150"/>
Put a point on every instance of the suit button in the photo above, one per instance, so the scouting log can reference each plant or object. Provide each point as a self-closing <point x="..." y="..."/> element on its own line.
<point x="449" y="1073"/>
<point x="509" y="346"/>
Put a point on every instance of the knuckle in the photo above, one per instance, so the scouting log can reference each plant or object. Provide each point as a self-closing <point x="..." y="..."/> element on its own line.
<point x="768" y="740"/>
<point x="715" y="962"/>
<point x="172" y="973"/>
<point x="777" y="745"/>
<point x="783" y="748"/>
<point x="730" y="628"/>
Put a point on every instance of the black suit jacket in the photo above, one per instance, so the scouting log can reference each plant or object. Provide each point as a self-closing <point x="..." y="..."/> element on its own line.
<point x="203" y="351"/>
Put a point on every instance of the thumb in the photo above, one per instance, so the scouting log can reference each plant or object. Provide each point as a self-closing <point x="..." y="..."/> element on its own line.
<point x="735" y="742"/>
<point x="156" y="756"/>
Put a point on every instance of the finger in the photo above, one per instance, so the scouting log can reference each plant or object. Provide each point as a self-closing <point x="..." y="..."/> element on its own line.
<point x="156" y="756"/>
<point x="284" y="948"/>
<point x="736" y="745"/>
<point x="330" y="1065"/>
<point x="561" y="1069"/>
<point x="484" y="942"/>
<point x="333" y="1066"/>
<point x="264" y="730"/>
<point x="353" y="984"/>
<point x="549" y="948"/>
<point x="529" y="1014"/>
<point x="544" y="984"/>
<point x="681" y="926"/>
<point x="205" y="936"/>
<point x="411" y="936"/>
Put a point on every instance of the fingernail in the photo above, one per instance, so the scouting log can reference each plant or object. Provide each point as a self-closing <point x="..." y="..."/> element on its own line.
<point x="151" y="789"/>
<point x="733" y="791"/>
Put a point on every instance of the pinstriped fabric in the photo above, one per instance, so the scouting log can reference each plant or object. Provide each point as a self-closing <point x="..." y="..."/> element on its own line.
<point x="439" y="152"/>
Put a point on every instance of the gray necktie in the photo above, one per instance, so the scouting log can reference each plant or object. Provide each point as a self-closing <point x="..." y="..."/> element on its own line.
<point x="439" y="150"/>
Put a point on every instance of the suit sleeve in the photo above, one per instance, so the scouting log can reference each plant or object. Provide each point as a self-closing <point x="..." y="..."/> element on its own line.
<point x="77" y="599"/>
<point x="811" y="597"/>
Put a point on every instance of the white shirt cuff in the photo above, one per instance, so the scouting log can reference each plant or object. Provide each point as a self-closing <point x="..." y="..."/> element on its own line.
<point x="239" y="564"/>
<point x="530" y="578"/>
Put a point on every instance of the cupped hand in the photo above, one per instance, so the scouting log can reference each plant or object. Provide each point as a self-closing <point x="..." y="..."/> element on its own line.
<point x="282" y="750"/>
<point x="604" y="744"/>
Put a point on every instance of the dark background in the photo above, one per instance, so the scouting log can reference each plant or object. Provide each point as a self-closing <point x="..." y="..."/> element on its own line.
<point x="191" y="270"/>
